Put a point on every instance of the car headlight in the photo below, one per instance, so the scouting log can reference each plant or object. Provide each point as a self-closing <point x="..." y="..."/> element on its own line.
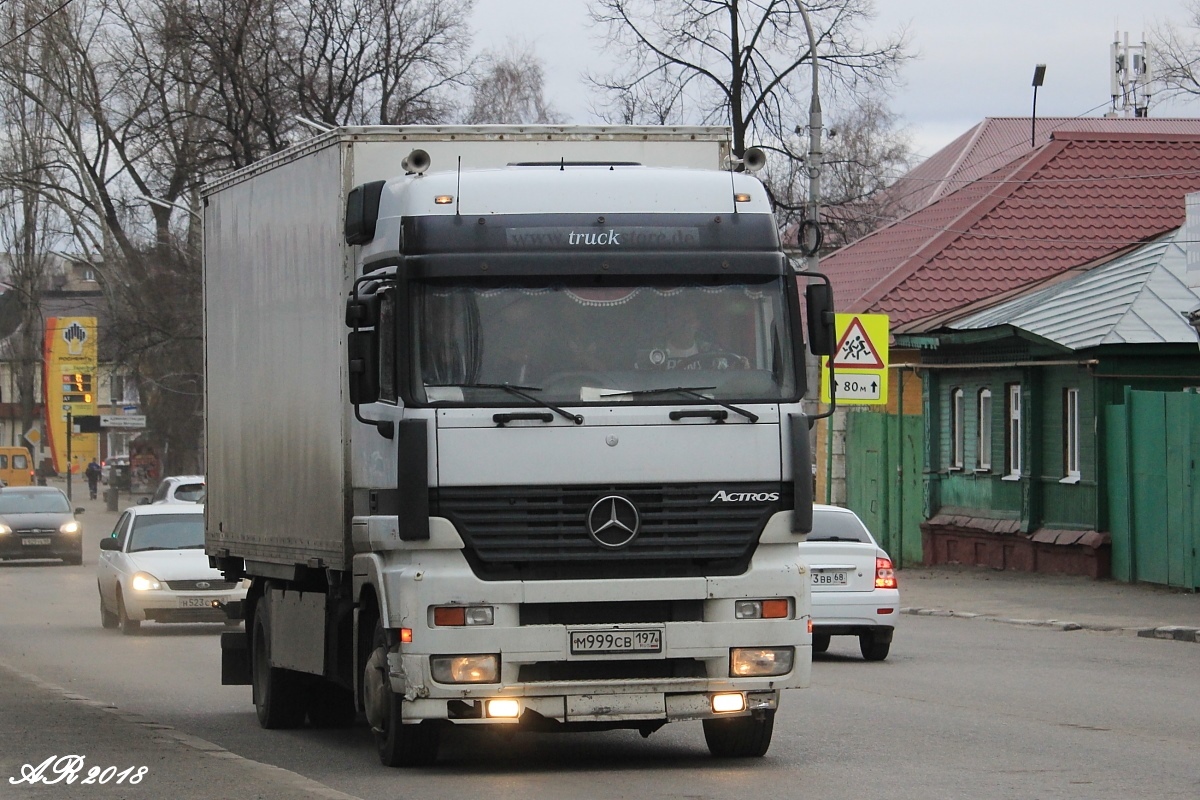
<point x="69" y="527"/>
<point x="4" y="529"/>
<point x="144" y="582"/>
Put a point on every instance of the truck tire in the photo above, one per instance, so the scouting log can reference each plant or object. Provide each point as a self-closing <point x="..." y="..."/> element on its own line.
<point x="278" y="693"/>
<point x="330" y="705"/>
<point x="739" y="737"/>
<point x="401" y="745"/>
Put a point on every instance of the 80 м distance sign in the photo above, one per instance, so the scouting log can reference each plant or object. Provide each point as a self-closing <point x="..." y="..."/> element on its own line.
<point x="860" y="361"/>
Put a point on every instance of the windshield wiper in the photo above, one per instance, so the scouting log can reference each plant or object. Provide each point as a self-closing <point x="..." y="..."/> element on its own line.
<point x="520" y="391"/>
<point x="691" y="391"/>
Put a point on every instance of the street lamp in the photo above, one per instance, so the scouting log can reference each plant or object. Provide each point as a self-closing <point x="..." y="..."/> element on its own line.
<point x="1039" y="75"/>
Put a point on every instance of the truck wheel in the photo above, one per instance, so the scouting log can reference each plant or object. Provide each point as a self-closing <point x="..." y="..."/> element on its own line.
<point x="820" y="642"/>
<point x="107" y="618"/>
<point x="873" y="650"/>
<point x="330" y="705"/>
<point x="401" y="745"/>
<point x="739" y="737"/>
<point x="278" y="693"/>
<point x="128" y="626"/>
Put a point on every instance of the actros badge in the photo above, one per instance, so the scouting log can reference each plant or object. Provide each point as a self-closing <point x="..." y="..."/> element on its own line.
<point x="613" y="521"/>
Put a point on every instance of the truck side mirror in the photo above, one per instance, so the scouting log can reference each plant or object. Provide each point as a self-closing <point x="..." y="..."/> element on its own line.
<point x="362" y="352"/>
<point x="821" y="335"/>
<point x="362" y="212"/>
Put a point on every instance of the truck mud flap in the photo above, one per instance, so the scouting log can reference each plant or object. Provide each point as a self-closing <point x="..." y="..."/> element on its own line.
<point x="235" y="658"/>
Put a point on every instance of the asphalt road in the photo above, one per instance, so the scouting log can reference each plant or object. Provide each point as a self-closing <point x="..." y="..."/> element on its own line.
<point x="961" y="709"/>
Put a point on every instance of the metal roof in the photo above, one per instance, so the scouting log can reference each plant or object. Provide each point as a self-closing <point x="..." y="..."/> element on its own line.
<point x="1138" y="298"/>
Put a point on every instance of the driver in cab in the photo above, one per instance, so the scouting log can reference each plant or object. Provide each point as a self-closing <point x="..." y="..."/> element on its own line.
<point x="683" y="347"/>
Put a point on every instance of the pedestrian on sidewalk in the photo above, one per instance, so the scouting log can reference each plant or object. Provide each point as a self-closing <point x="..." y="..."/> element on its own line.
<point x="93" y="477"/>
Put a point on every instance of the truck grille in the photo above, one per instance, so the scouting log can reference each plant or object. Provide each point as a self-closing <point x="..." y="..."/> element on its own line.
<point x="541" y="533"/>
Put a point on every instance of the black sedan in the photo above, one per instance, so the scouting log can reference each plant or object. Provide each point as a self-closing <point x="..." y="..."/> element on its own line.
<point x="37" y="522"/>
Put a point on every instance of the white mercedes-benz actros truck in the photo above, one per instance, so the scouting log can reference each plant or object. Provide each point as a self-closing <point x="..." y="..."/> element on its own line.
<point x="505" y="426"/>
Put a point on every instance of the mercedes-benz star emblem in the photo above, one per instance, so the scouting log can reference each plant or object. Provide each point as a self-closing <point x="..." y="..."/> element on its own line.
<point x="613" y="521"/>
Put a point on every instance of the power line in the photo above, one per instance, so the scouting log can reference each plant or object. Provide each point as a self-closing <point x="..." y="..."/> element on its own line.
<point x="34" y="25"/>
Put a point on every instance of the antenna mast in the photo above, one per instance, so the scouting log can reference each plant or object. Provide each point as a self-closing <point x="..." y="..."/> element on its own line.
<point x="1130" y="78"/>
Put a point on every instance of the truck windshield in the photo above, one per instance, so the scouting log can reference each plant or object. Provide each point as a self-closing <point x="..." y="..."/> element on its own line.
<point x="617" y="343"/>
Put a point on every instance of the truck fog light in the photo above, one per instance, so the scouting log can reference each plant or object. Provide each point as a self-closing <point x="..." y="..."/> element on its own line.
<point x="759" y="662"/>
<point x="729" y="702"/>
<point x="465" y="669"/>
<point x="503" y="708"/>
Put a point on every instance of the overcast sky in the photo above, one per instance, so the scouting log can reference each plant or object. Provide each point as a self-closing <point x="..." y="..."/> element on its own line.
<point x="975" y="59"/>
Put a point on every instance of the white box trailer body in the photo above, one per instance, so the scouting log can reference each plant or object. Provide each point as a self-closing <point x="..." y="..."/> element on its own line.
<point x="614" y="548"/>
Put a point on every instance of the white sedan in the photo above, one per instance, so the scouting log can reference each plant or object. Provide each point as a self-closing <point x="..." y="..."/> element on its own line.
<point x="153" y="567"/>
<point x="854" y="590"/>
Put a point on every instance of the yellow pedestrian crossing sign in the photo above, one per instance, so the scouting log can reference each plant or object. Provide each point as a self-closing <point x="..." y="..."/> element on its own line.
<point x="860" y="360"/>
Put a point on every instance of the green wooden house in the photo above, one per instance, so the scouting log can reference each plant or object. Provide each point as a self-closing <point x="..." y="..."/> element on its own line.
<point x="1029" y="428"/>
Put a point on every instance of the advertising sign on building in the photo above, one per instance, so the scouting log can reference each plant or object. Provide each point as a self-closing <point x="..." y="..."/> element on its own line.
<point x="70" y="378"/>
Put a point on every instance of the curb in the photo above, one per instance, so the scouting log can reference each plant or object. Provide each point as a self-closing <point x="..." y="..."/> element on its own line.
<point x="1178" y="633"/>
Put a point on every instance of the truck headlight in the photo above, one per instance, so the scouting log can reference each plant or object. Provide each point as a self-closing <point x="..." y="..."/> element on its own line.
<point x="144" y="582"/>
<point x="760" y="662"/>
<point x="465" y="669"/>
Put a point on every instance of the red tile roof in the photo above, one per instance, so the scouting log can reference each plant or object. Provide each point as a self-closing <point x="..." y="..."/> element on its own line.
<point x="1080" y="196"/>
<point x="997" y="141"/>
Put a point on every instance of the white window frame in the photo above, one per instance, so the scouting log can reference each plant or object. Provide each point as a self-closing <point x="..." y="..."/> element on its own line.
<point x="957" y="433"/>
<point x="984" y="434"/>
<point x="1013" y="428"/>
<point x="1071" y="436"/>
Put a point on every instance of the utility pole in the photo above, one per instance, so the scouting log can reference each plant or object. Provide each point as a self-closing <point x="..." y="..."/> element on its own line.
<point x="70" y="436"/>
<point x="812" y="231"/>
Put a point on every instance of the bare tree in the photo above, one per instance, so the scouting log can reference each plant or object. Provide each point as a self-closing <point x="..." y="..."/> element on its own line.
<point x="510" y="89"/>
<point x="745" y="63"/>
<point x="27" y="227"/>
<point x="145" y="98"/>
<point x="864" y="154"/>
<point x="1176" y="54"/>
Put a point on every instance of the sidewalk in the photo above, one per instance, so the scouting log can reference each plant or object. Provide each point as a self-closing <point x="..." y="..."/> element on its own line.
<point x="1065" y="602"/>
